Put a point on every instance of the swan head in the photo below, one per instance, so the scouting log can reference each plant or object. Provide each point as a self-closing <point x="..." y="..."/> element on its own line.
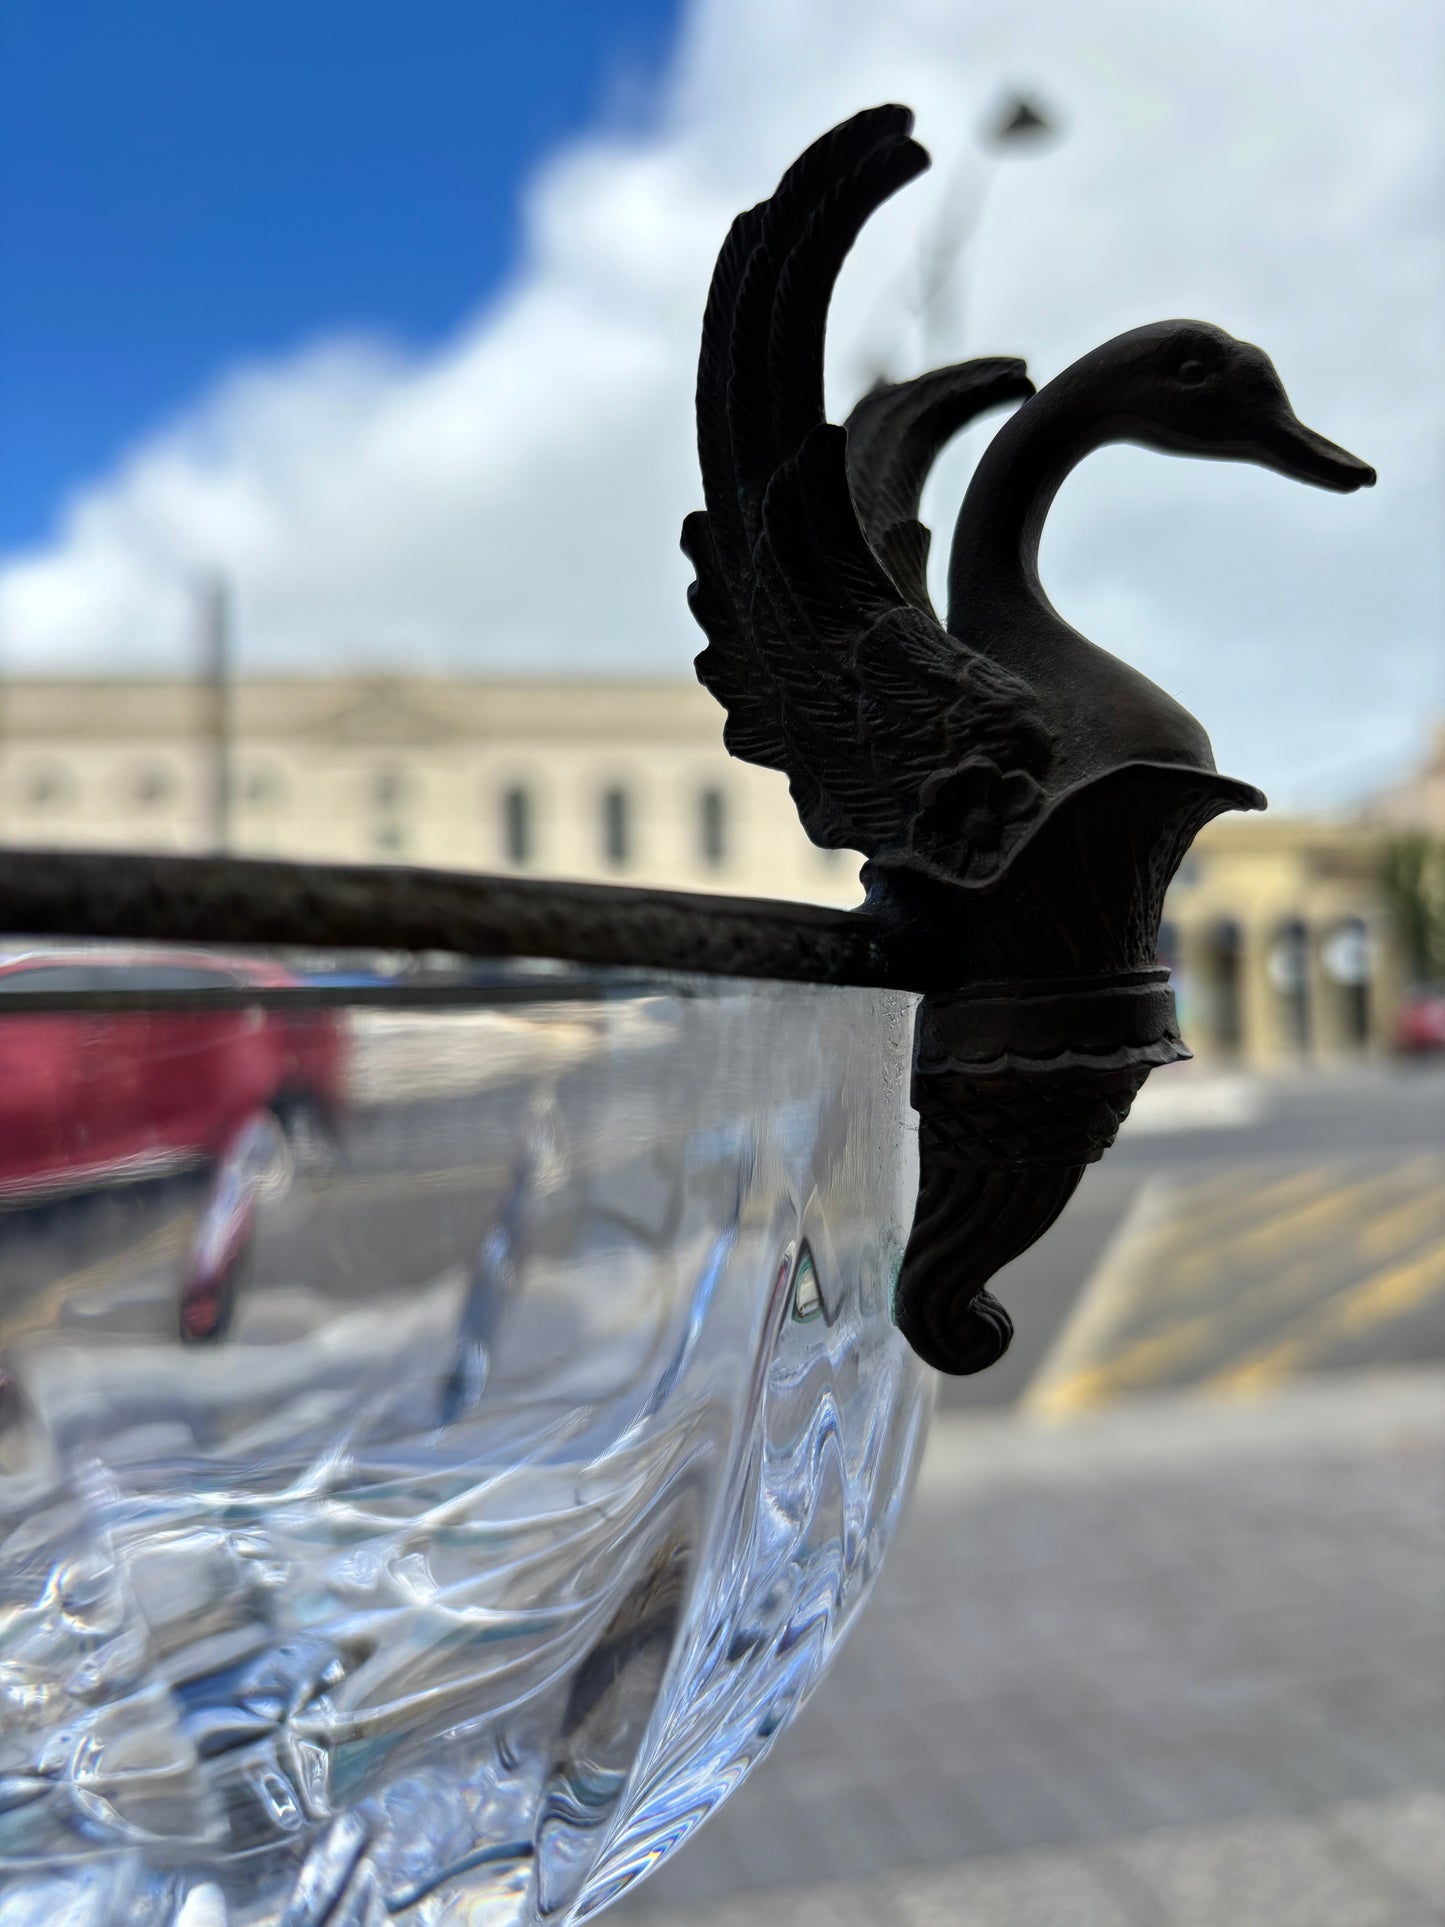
<point x="1188" y="388"/>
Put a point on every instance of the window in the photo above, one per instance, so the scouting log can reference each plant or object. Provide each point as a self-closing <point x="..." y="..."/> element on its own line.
<point x="388" y="834"/>
<point x="713" y="827"/>
<point x="153" y="786"/>
<point x="517" y="826"/>
<point x="48" y="787"/>
<point x="262" y="785"/>
<point x="1288" y="962"/>
<point x="616" y="827"/>
<point x="387" y="788"/>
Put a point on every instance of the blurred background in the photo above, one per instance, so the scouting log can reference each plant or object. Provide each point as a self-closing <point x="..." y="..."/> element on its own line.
<point x="345" y="433"/>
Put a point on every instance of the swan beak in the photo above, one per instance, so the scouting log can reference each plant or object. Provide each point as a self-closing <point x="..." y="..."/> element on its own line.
<point x="1294" y="450"/>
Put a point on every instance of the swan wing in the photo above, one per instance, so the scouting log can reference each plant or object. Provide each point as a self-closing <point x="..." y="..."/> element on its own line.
<point x="897" y="739"/>
<point x="895" y="434"/>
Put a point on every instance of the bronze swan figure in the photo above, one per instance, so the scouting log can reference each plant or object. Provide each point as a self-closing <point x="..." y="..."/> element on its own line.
<point x="1022" y="796"/>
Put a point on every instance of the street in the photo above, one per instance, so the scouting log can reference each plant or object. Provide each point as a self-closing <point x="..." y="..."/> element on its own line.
<point x="1256" y="1204"/>
<point x="1159" y="1645"/>
<point x="1174" y="1666"/>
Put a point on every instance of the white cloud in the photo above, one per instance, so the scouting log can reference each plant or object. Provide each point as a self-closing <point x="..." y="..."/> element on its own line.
<point x="512" y="501"/>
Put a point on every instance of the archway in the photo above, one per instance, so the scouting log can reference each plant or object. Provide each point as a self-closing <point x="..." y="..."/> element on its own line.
<point x="1289" y="972"/>
<point x="1220" y="994"/>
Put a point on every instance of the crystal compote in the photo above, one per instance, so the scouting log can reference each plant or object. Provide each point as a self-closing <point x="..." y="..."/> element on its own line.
<point x="449" y="1413"/>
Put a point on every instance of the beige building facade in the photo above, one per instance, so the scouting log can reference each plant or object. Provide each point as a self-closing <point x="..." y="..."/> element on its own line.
<point x="1280" y="942"/>
<point x="625" y="781"/>
<point x="1276" y="930"/>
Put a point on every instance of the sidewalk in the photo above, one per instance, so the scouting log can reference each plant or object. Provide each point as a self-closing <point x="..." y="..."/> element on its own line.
<point x="1178" y="1665"/>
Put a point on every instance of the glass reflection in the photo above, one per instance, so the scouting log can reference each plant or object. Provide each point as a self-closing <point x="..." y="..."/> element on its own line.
<point x="444" y="1427"/>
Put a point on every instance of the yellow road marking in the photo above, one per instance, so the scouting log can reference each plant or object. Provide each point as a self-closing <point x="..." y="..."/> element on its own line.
<point x="1219" y="1257"/>
<point x="1396" y="1230"/>
<point x="1164" y="1253"/>
<point x="1201" y="1202"/>
<point x="165" y="1242"/>
<point x="1376" y="1300"/>
<point x="1055" y="1389"/>
<point x="1276" y="1234"/>
<point x="1146" y="1359"/>
<point x="1184" y="1239"/>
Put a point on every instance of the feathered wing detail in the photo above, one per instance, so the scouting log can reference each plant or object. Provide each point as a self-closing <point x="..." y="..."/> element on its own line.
<point x="816" y="649"/>
<point x="895" y="434"/>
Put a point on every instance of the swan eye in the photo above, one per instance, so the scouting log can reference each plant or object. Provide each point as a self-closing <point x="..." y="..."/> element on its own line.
<point x="1191" y="373"/>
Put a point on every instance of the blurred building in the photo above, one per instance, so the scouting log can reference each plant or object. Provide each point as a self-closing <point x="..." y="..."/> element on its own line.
<point x="626" y="781"/>
<point x="1276" y="930"/>
<point x="1280" y="941"/>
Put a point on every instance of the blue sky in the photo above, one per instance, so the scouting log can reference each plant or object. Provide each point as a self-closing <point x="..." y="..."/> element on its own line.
<point x="391" y="315"/>
<point x="185" y="185"/>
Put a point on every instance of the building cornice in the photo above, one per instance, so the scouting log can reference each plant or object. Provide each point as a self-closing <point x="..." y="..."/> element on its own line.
<point x="398" y="712"/>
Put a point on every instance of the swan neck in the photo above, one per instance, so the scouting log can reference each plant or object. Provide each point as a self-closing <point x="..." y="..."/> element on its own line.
<point x="996" y="540"/>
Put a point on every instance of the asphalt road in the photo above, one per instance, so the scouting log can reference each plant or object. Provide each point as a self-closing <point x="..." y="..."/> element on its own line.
<point x="1207" y="1158"/>
<point x="1174" y="1664"/>
<point x="1162" y="1660"/>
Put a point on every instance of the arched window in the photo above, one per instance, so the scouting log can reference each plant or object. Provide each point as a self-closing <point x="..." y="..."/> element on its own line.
<point x="712" y="826"/>
<point x="1221" y="989"/>
<point x="1288" y="963"/>
<point x="1347" y="964"/>
<point x="616" y="827"/>
<point x="518" y="829"/>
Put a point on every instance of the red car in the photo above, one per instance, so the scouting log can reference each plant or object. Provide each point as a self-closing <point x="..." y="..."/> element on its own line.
<point x="94" y="1095"/>
<point x="1420" y="1025"/>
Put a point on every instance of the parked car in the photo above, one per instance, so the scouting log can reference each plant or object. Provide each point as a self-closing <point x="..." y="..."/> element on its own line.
<point x="96" y="1095"/>
<point x="1420" y="1025"/>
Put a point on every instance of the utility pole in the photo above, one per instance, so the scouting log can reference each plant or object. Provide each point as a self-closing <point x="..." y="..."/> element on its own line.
<point x="1018" y="125"/>
<point x="214" y="597"/>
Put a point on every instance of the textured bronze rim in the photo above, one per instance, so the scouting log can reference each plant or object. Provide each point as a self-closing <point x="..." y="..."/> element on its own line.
<point x="247" y="902"/>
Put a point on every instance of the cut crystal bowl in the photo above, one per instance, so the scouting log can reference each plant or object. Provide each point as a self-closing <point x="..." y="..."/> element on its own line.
<point x="449" y="1414"/>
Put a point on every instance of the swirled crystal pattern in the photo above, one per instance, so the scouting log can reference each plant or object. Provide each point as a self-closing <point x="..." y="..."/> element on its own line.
<point x="441" y="1439"/>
